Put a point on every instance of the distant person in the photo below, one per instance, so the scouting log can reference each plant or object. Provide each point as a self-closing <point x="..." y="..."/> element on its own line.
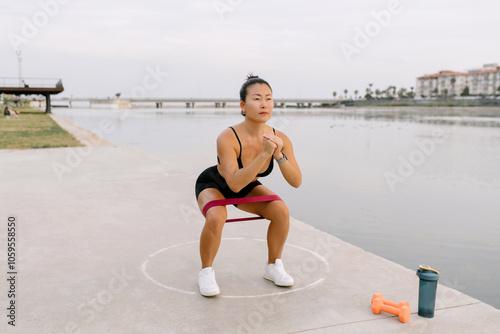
<point x="11" y="112"/>
<point x="246" y="152"/>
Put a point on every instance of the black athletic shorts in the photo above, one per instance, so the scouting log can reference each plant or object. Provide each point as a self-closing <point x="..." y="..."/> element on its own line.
<point x="211" y="178"/>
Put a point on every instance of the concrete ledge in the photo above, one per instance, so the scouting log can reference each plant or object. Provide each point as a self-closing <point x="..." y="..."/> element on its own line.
<point x="111" y="246"/>
<point x="84" y="136"/>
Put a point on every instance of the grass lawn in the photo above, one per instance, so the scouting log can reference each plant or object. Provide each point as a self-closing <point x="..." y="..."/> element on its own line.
<point x="33" y="129"/>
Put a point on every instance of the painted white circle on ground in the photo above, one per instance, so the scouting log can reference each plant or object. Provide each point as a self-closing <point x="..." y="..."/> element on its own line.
<point x="169" y="267"/>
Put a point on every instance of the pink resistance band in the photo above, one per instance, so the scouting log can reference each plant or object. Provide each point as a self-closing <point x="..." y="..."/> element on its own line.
<point x="242" y="200"/>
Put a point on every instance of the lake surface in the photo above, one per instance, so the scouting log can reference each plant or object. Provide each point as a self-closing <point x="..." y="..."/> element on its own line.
<point x="415" y="186"/>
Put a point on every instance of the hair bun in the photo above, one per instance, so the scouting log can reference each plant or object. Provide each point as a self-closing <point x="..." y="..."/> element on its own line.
<point x="251" y="76"/>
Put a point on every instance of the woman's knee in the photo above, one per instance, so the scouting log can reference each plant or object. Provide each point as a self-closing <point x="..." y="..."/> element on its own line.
<point x="279" y="211"/>
<point x="216" y="218"/>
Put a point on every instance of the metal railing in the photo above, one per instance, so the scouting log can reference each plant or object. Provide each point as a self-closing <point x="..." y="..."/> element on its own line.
<point x="31" y="82"/>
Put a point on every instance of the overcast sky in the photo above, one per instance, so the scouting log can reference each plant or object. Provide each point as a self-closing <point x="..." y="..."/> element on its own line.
<point x="205" y="48"/>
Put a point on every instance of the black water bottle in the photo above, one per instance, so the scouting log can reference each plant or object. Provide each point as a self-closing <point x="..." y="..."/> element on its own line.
<point x="427" y="291"/>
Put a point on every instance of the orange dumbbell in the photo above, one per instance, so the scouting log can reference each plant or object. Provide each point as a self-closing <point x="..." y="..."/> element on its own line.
<point x="402" y="310"/>
<point x="388" y="302"/>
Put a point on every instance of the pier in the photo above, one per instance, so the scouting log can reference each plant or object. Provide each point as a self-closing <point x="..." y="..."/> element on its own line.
<point x="193" y="102"/>
<point x="32" y="86"/>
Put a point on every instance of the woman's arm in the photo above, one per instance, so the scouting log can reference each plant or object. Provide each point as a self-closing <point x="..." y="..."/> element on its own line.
<point x="227" y="151"/>
<point x="290" y="168"/>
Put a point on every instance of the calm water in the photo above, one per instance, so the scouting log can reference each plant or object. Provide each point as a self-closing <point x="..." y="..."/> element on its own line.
<point x="414" y="186"/>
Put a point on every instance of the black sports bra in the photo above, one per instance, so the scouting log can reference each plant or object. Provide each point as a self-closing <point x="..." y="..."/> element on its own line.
<point x="240" y="164"/>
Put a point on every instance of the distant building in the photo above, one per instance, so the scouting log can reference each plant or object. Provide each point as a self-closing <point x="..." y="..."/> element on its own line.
<point x="483" y="81"/>
<point x="443" y="83"/>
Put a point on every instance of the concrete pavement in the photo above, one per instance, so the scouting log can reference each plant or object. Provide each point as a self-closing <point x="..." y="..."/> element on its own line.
<point x="107" y="242"/>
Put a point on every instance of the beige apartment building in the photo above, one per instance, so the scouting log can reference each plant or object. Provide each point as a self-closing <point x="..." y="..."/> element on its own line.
<point x="483" y="81"/>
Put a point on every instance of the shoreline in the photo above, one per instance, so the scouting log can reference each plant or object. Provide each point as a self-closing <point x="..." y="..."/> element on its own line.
<point x="84" y="136"/>
<point x="294" y="110"/>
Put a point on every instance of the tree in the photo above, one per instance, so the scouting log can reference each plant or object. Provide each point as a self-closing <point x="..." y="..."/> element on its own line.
<point x="465" y="92"/>
<point x="402" y="92"/>
<point x="369" y="89"/>
<point x="378" y="93"/>
<point x="334" y="94"/>
<point x="453" y="80"/>
<point x="356" y="94"/>
<point x="435" y="91"/>
<point x="411" y="94"/>
<point x="345" y="93"/>
<point x="118" y="95"/>
<point x="388" y="92"/>
<point x="368" y="94"/>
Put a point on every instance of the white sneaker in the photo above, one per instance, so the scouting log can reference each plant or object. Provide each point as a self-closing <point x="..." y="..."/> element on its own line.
<point x="276" y="273"/>
<point x="206" y="282"/>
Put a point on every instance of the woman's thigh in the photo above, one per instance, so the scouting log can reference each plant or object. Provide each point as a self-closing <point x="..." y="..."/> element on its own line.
<point x="208" y="195"/>
<point x="269" y="210"/>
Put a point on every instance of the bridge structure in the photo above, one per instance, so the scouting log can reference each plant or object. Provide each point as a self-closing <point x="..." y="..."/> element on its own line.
<point x="192" y="102"/>
<point x="32" y="86"/>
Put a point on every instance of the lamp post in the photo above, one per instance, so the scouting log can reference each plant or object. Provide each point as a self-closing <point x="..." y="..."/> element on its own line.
<point x="19" y="59"/>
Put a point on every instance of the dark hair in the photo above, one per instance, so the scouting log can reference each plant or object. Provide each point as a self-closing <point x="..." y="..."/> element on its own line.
<point x="251" y="80"/>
